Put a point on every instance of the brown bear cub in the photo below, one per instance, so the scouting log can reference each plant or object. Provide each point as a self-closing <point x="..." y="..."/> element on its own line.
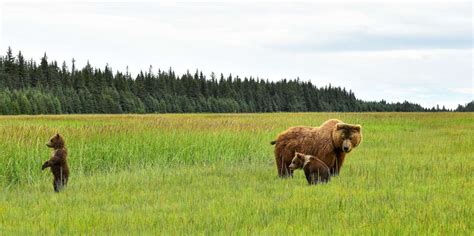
<point x="58" y="162"/>
<point x="314" y="169"/>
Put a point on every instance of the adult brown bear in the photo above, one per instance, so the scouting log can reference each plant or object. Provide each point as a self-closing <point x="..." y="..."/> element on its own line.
<point x="330" y="142"/>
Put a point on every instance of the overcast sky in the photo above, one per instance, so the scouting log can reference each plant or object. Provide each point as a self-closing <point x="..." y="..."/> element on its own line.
<point x="416" y="50"/>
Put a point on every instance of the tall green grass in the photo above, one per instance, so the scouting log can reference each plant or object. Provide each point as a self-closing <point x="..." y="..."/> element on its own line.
<point x="206" y="174"/>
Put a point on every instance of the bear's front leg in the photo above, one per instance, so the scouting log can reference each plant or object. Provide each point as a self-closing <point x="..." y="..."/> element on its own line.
<point x="45" y="165"/>
<point x="312" y="178"/>
<point x="333" y="170"/>
<point x="336" y="169"/>
<point x="308" y="178"/>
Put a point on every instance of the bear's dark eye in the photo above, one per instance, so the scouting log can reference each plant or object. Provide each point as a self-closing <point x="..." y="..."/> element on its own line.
<point x="350" y="138"/>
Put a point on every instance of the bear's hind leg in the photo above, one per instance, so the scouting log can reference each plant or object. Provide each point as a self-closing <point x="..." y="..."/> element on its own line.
<point x="315" y="178"/>
<point x="279" y="163"/>
<point x="56" y="185"/>
<point x="283" y="168"/>
<point x="59" y="183"/>
<point x="312" y="178"/>
<point x="325" y="175"/>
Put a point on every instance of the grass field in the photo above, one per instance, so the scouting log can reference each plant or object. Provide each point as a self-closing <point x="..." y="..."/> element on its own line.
<point x="215" y="174"/>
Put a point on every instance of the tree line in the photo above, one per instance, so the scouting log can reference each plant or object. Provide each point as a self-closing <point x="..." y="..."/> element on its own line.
<point x="28" y="87"/>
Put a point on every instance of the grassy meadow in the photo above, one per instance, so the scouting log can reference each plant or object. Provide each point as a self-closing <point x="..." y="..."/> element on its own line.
<point x="215" y="174"/>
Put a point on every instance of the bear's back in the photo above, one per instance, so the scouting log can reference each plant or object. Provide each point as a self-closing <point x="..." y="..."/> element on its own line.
<point x="315" y="165"/>
<point x="295" y="132"/>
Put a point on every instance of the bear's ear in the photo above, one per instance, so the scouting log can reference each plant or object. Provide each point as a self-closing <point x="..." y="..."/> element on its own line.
<point x="299" y="155"/>
<point x="57" y="134"/>
<point x="357" y="128"/>
<point x="340" y="126"/>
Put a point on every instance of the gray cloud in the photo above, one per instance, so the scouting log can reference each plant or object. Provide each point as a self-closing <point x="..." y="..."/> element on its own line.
<point x="394" y="50"/>
<point x="374" y="42"/>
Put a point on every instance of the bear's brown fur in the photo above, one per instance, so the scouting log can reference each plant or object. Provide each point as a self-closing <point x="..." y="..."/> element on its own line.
<point x="315" y="170"/>
<point x="330" y="142"/>
<point x="58" y="162"/>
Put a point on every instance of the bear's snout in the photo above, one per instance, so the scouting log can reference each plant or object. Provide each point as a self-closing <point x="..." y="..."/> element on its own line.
<point x="346" y="146"/>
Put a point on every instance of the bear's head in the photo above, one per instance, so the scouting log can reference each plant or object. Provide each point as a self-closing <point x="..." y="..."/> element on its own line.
<point x="346" y="136"/>
<point x="56" y="142"/>
<point x="298" y="161"/>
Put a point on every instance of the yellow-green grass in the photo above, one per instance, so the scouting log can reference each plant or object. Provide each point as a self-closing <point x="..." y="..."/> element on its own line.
<point x="210" y="173"/>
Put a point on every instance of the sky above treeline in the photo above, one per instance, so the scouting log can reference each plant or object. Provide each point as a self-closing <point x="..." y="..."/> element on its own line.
<point x="417" y="50"/>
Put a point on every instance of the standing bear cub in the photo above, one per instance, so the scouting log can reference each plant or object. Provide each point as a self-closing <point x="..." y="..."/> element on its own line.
<point x="330" y="142"/>
<point x="315" y="170"/>
<point x="58" y="162"/>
